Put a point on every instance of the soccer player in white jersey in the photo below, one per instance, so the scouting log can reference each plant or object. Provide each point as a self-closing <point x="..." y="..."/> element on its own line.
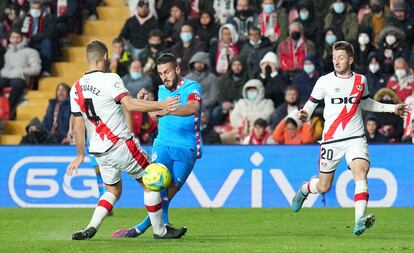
<point x="345" y="94"/>
<point x="97" y="102"/>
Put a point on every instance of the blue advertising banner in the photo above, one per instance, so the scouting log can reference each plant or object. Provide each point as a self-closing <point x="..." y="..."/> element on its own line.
<point x="226" y="176"/>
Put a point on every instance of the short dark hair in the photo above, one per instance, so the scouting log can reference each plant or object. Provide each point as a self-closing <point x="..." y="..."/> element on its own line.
<point x="118" y="40"/>
<point x="291" y="87"/>
<point x="155" y="33"/>
<point x="95" y="51"/>
<point x="260" y="122"/>
<point x="291" y="121"/>
<point x="167" y="58"/>
<point x="344" y="45"/>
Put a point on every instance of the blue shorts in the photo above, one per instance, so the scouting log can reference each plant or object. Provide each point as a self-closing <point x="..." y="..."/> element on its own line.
<point x="179" y="160"/>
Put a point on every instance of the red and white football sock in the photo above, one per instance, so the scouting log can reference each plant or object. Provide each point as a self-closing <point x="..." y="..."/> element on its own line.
<point x="310" y="187"/>
<point x="360" y="198"/>
<point x="105" y="205"/>
<point x="153" y="204"/>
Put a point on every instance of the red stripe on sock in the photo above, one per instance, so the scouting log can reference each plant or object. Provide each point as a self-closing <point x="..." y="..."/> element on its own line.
<point x="155" y="208"/>
<point x="361" y="196"/>
<point x="105" y="204"/>
<point x="309" y="186"/>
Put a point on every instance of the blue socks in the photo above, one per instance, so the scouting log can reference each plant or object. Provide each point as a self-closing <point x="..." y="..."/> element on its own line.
<point x="101" y="185"/>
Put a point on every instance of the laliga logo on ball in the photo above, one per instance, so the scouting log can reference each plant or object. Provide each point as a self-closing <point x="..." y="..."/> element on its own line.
<point x="156" y="177"/>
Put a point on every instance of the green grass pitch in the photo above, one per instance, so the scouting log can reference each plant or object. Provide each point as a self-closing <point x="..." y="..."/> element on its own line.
<point x="211" y="230"/>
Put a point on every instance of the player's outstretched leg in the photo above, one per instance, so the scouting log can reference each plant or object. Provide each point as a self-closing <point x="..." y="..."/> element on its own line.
<point x="105" y="205"/>
<point x="153" y="204"/>
<point x="303" y="192"/>
<point x="362" y="221"/>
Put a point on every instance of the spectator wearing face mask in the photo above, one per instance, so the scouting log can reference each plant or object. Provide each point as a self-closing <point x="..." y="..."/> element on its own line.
<point x="272" y="22"/>
<point x="247" y="110"/>
<point x="390" y="125"/>
<point x="311" y="22"/>
<point x="371" y="131"/>
<point x="403" y="19"/>
<point x="187" y="47"/>
<point x="376" y="19"/>
<point x="136" y="79"/>
<point x="39" y="26"/>
<point x="273" y="79"/>
<point x="225" y="48"/>
<point x="119" y="58"/>
<point x="362" y="49"/>
<point x="376" y="78"/>
<point x="341" y="17"/>
<point x="243" y="20"/>
<point x="259" y="135"/>
<point x="331" y="36"/>
<point x="402" y="82"/>
<point x="201" y="73"/>
<point x="254" y="50"/>
<point x="292" y="131"/>
<point x="392" y="46"/>
<point x="290" y="104"/>
<point x="294" y="48"/>
<point x="306" y="79"/>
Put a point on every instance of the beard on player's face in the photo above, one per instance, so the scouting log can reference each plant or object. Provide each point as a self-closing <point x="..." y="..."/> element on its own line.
<point x="172" y="84"/>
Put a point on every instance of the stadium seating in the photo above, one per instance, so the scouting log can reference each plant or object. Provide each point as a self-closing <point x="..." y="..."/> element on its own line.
<point x="111" y="18"/>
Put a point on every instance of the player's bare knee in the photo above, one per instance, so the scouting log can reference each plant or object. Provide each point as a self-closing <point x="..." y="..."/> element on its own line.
<point x="323" y="188"/>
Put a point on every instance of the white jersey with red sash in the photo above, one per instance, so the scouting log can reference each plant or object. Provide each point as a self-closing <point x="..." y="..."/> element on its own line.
<point x="342" y="97"/>
<point x="96" y="97"/>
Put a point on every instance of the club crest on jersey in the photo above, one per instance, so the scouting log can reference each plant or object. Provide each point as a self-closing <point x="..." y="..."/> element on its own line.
<point x="154" y="156"/>
<point x="117" y="85"/>
<point x="359" y="87"/>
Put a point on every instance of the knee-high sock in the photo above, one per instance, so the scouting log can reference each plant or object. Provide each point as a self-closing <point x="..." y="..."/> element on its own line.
<point x="165" y="205"/>
<point x="105" y="205"/>
<point x="153" y="204"/>
<point x="310" y="187"/>
<point x="360" y="198"/>
<point x="146" y="223"/>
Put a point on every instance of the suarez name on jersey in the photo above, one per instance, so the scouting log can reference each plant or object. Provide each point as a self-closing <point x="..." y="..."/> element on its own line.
<point x="96" y="97"/>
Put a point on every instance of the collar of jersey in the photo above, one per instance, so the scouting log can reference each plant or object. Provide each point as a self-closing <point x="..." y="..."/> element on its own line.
<point x="344" y="77"/>
<point x="93" y="71"/>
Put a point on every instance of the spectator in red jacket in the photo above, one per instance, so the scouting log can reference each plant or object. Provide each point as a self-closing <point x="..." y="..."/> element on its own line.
<point x="259" y="134"/>
<point x="402" y="82"/>
<point x="294" y="48"/>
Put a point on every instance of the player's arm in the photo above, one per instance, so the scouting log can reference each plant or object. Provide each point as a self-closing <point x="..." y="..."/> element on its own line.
<point x="191" y="108"/>
<point x="79" y="130"/>
<point x="371" y="105"/>
<point x="316" y="97"/>
<point x="135" y="105"/>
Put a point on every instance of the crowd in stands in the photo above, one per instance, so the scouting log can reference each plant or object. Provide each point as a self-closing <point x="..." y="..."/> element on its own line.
<point x="257" y="61"/>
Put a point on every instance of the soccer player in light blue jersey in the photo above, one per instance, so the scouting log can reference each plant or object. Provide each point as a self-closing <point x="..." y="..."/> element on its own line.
<point x="178" y="144"/>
